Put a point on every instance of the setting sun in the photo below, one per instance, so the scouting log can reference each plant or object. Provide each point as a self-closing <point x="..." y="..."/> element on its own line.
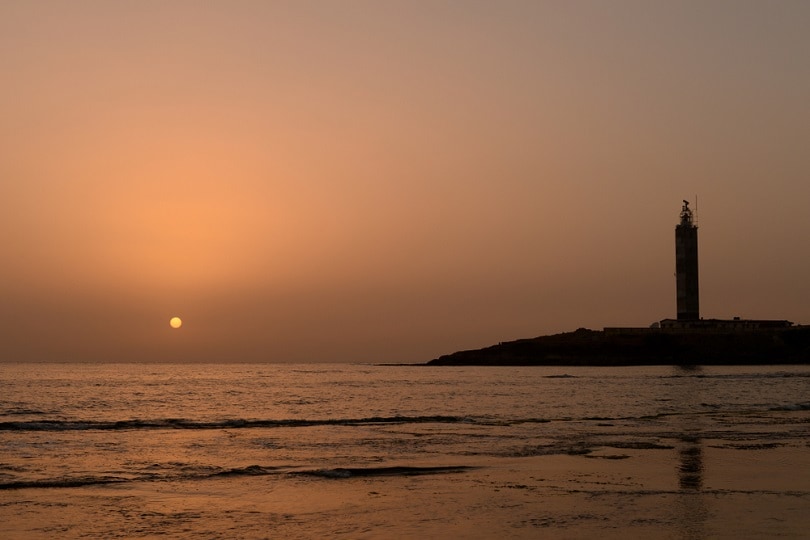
<point x="175" y="322"/>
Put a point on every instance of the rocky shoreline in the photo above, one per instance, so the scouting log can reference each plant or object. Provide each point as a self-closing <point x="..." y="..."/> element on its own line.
<point x="640" y="347"/>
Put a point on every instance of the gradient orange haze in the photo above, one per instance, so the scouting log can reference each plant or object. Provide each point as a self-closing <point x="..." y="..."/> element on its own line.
<point x="390" y="181"/>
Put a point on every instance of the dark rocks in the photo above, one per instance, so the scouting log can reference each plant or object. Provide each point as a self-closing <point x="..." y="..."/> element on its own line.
<point x="638" y="347"/>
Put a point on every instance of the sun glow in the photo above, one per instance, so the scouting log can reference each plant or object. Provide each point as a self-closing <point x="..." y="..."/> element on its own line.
<point x="175" y="322"/>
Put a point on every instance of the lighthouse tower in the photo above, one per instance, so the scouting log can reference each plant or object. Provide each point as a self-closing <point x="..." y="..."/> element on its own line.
<point x="686" y="266"/>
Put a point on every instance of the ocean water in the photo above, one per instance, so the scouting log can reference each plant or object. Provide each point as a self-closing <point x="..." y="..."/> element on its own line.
<point x="326" y="450"/>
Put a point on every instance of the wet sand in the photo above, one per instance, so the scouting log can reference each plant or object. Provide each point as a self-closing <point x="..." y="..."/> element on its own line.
<point x="696" y="489"/>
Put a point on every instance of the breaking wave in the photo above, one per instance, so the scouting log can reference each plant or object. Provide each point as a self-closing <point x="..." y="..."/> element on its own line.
<point x="240" y="423"/>
<point x="384" y="471"/>
<point x="182" y="472"/>
<point x="181" y="423"/>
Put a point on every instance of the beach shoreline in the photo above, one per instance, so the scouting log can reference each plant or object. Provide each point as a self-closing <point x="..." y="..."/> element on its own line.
<point x="729" y="492"/>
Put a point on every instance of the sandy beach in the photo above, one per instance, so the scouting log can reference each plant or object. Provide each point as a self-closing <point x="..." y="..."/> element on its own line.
<point x="701" y="489"/>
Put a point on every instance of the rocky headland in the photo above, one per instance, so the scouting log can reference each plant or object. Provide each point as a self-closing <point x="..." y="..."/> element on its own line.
<point x="642" y="346"/>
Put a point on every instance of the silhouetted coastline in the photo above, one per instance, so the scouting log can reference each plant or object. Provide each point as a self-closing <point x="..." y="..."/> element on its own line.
<point x="644" y="346"/>
<point x="688" y="340"/>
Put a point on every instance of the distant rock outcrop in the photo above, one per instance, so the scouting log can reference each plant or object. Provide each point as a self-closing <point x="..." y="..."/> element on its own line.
<point x="639" y="347"/>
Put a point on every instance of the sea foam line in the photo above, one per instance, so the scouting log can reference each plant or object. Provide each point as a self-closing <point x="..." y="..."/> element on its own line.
<point x="250" y="470"/>
<point x="181" y="423"/>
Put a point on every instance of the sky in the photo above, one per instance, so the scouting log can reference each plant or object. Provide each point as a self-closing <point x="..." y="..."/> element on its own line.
<point x="390" y="181"/>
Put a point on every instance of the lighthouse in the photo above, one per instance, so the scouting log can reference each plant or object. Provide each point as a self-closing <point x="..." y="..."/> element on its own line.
<point x="686" y="266"/>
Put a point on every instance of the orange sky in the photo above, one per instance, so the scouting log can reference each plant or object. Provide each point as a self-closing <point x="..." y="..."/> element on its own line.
<point x="390" y="181"/>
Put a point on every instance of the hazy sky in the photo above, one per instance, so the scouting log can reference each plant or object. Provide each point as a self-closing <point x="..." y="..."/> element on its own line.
<point x="391" y="180"/>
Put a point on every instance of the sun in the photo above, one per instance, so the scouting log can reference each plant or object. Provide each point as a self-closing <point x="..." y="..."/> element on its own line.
<point x="175" y="322"/>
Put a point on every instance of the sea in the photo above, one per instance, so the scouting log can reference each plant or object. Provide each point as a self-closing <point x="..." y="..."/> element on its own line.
<point x="382" y="451"/>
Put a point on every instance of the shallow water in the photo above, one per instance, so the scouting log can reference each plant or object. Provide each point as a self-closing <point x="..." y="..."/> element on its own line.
<point x="145" y="449"/>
